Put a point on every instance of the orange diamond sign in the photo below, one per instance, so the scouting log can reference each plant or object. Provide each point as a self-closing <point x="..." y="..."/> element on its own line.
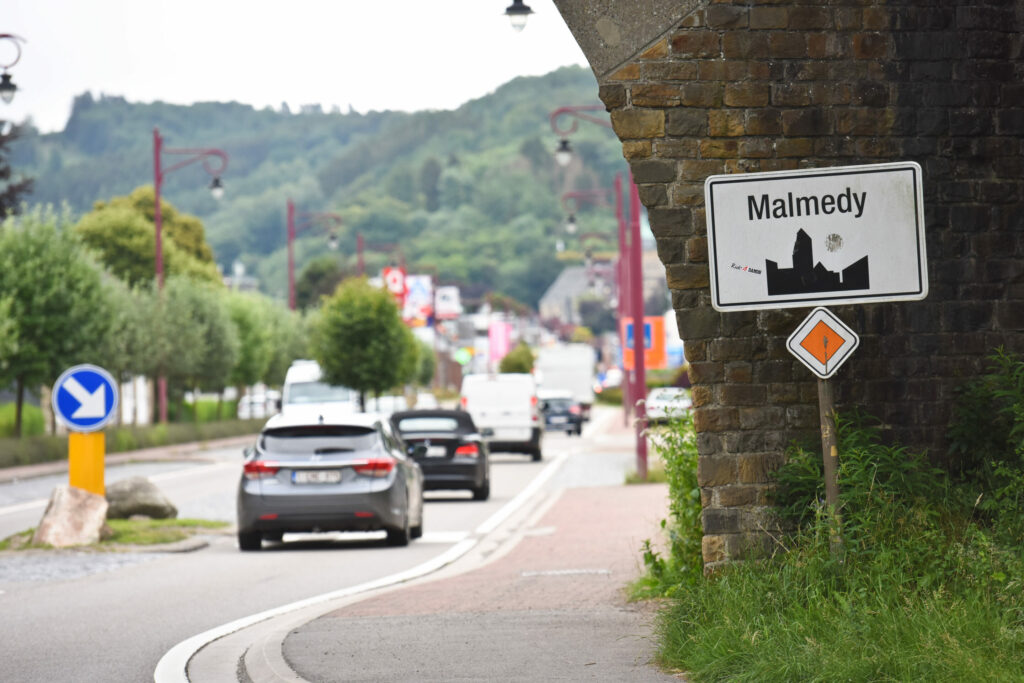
<point x="822" y="342"/>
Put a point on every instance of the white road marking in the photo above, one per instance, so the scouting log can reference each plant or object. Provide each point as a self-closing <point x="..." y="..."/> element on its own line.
<point x="566" y="572"/>
<point x="173" y="666"/>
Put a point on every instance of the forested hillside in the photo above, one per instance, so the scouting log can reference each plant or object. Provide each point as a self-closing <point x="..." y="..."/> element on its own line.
<point x="472" y="192"/>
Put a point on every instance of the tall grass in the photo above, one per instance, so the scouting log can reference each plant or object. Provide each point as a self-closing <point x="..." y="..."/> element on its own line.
<point x="31" y="419"/>
<point x="927" y="583"/>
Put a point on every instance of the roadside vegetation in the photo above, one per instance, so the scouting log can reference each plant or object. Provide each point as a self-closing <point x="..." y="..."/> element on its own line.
<point x="926" y="581"/>
<point x="128" y="532"/>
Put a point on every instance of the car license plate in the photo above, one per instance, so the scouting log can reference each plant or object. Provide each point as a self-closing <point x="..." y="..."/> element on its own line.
<point x="316" y="476"/>
<point x="437" y="451"/>
<point x="558" y="420"/>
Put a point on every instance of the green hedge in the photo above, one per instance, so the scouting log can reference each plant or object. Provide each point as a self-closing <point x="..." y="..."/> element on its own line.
<point x="36" y="449"/>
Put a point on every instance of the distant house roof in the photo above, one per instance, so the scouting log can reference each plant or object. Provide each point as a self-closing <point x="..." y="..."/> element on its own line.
<point x="559" y="299"/>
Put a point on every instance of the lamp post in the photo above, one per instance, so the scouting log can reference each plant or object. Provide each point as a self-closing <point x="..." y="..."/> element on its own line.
<point x="206" y="155"/>
<point x="7" y="86"/>
<point x="306" y="219"/>
<point x="632" y="253"/>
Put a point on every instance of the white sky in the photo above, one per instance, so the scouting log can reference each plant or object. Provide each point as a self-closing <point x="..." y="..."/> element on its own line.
<point x="370" y="54"/>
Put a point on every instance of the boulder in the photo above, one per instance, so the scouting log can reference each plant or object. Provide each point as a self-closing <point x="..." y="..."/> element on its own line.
<point x="73" y="517"/>
<point x="138" y="496"/>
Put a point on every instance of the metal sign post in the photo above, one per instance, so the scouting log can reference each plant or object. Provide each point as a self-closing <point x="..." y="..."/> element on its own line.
<point x="823" y="342"/>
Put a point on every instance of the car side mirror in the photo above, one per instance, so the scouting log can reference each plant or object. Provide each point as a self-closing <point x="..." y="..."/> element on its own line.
<point x="486" y="432"/>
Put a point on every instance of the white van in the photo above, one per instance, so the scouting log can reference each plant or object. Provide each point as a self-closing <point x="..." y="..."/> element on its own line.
<point x="505" y="404"/>
<point x="305" y="393"/>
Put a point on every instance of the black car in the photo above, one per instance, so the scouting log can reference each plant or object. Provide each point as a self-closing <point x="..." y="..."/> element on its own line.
<point x="562" y="414"/>
<point x="449" y="449"/>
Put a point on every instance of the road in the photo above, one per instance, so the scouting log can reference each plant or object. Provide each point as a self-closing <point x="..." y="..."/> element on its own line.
<point x="111" y="616"/>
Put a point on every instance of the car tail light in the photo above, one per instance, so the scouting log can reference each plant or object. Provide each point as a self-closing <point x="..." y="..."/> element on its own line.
<point x="260" y="469"/>
<point x="469" y="450"/>
<point x="464" y="402"/>
<point x="533" y="400"/>
<point x="375" y="467"/>
<point x="575" y="410"/>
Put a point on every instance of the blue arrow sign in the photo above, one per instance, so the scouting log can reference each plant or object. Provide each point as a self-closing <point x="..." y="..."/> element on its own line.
<point x="84" y="398"/>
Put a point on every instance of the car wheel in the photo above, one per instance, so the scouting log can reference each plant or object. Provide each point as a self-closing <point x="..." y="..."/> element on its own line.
<point x="536" y="455"/>
<point x="250" y="540"/>
<point x="484" y="492"/>
<point x="417" y="531"/>
<point x="274" y="536"/>
<point x="400" y="537"/>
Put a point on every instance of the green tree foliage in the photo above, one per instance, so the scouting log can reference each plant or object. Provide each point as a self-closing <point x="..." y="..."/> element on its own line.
<point x="56" y="297"/>
<point x="359" y="339"/>
<point x="519" y="359"/>
<point x="123" y="235"/>
<point x="473" y="192"/>
<point x="289" y="340"/>
<point x="8" y="333"/>
<point x="12" y="189"/>
<point x="426" y="366"/>
<point x="249" y="313"/>
<point x="318" y="279"/>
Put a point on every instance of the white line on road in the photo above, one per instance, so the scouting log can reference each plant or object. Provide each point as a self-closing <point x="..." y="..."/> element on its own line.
<point x="173" y="666"/>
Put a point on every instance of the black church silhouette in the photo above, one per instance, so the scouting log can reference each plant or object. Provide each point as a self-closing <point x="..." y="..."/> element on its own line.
<point x="804" y="278"/>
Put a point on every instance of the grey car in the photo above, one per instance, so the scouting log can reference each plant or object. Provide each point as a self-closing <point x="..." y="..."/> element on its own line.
<point x="346" y="473"/>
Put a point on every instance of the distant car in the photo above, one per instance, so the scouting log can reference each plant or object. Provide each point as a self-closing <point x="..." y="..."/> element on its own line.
<point x="252" y="407"/>
<point x="342" y="473"/>
<point x="561" y="412"/>
<point x="663" y="403"/>
<point x="307" y="396"/>
<point x="449" y="449"/>
<point x="426" y="401"/>
<point x="506" y="404"/>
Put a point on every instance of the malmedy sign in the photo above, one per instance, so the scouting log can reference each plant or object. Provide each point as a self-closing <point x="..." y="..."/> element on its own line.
<point x="815" y="237"/>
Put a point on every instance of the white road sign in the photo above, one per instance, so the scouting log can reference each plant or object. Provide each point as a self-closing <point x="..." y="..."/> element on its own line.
<point x="790" y="239"/>
<point x="822" y="342"/>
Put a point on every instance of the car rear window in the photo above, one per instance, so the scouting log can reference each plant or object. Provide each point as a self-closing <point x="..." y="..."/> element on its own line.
<point x="318" y="392"/>
<point x="559" y="403"/>
<point x="428" y="424"/>
<point x="319" y="439"/>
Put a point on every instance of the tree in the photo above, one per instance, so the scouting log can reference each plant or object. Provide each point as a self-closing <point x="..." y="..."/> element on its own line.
<point x="248" y="313"/>
<point x="289" y="340"/>
<point x="318" y="279"/>
<point x="519" y="359"/>
<point x="430" y="178"/>
<point x="56" y="300"/>
<point x="359" y="339"/>
<point x="427" y="365"/>
<point x="14" y="188"/>
<point x="122" y="232"/>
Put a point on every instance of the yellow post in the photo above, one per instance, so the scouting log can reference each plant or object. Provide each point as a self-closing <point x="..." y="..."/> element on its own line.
<point x="85" y="461"/>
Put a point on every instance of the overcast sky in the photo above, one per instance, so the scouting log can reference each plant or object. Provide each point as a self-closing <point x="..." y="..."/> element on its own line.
<point x="367" y="54"/>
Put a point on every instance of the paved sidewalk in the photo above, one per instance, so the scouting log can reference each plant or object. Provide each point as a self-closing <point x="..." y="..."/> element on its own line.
<point x="551" y="608"/>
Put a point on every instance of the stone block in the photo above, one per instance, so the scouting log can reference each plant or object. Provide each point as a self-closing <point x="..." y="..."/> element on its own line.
<point x="636" y="149"/>
<point x="737" y="496"/>
<point x="687" y="122"/>
<point x="697" y="249"/>
<point x="799" y="122"/>
<point x="686" y="276"/>
<point x="719" y="149"/>
<point x="638" y="123"/>
<point x="659" y="50"/>
<point x="696" y="44"/>
<point x="712" y="419"/>
<point x="743" y="395"/>
<point x="768" y="17"/>
<point x="870" y="46"/>
<point x="713" y="549"/>
<point x="725" y="123"/>
<point x="747" y="94"/>
<point x="613" y="96"/>
<point x="698" y="323"/>
<point x="720" y="520"/>
<point x="72" y="517"/>
<point x="138" y="496"/>
<point x="757" y="468"/>
<point x="785" y="45"/>
<point x="716" y="471"/>
<point x="807" y="17"/>
<point x="725" y="16"/>
<point x="653" y="171"/>
<point x="656" y="95"/>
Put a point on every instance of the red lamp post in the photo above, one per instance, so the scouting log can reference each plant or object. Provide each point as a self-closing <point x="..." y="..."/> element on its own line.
<point x="306" y="219"/>
<point x="206" y="155"/>
<point x="632" y="254"/>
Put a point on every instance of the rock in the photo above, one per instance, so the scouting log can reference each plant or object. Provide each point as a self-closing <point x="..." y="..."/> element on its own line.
<point x="73" y="517"/>
<point x="138" y="496"/>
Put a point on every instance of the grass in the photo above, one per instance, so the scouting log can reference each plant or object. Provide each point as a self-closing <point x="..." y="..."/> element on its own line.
<point x="156" y="531"/>
<point x="139" y="532"/>
<point x="927" y="584"/>
<point x="31" y="419"/>
<point x="655" y="475"/>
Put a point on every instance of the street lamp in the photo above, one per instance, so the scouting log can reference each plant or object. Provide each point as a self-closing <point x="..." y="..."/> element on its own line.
<point x="570" y="224"/>
<point x="7" y="86"/>
<point x="517" y="14"/>
<point x="632" y="263"/>
<point x="206" y="155"/>
<point x="563" y="155"/>
<point x="306" y="220"/>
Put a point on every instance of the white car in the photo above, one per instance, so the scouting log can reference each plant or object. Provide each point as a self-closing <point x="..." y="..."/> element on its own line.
<point x="663" y="403"/>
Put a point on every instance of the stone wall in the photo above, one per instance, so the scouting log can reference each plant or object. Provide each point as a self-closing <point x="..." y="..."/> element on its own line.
<point x="701" y="88"/>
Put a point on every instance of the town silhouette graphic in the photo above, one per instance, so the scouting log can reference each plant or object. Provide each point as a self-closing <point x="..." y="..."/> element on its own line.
<point x="806" y="276"/>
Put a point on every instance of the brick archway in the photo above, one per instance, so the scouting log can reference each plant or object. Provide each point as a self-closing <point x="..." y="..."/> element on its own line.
<point x="696" y="88"/>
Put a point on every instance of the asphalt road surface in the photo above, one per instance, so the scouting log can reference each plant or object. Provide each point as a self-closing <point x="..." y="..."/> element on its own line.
<point x="91" y="616"/>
